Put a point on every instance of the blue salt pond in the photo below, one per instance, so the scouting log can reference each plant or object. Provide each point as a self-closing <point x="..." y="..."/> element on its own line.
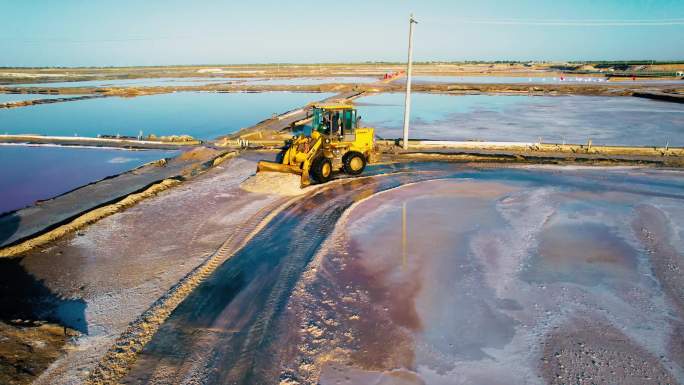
<point x="303" y="81"/>
<point x="204" y="115"/>
<point x="573" y="119"/>
<point x="550" y="79"/>
<point x="147" y="82"/>
<point x="31" y="173"/>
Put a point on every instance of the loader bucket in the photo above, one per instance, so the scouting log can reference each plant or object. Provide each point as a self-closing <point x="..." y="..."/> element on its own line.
<point x="278" y="167"/>
<point x="284" y="168"/>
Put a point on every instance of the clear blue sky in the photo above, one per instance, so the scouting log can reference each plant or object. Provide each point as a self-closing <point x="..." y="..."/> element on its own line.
<point x="123" y="32"/>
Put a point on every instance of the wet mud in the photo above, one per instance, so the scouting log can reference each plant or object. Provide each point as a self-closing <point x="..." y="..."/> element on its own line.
<point x="35" y="323"/>
<point x="658" y="229"/>
<point x="551" y="259"/>
<point x="25" y="297"/>
<point x="102" y="278"/>
<point x="440" y="274"/>
<point x="227" y="324"/>
<point x="593" y="351"/>
<point x="29" y="347"/>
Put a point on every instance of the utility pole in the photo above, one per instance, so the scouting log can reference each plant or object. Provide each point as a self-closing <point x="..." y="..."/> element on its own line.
<point x="407" y="104"/>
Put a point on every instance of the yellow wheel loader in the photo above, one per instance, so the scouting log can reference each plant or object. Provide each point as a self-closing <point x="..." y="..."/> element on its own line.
<point x="335" y="142"/>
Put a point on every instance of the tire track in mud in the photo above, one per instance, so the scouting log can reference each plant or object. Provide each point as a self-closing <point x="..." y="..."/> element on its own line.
<point x="221" y="333"/>
<point x="116" y="362"/>
<point x="222" y="326"/>
<point x="655" y="231"/>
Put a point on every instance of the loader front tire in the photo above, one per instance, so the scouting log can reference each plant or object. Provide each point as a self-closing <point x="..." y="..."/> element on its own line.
<point x="321" y="169"/>
<point x="354" y="163"/>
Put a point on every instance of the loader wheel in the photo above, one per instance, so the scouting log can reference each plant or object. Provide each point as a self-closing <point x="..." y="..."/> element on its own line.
<point x="321" y="169"/>
<point x="354" y="163"/>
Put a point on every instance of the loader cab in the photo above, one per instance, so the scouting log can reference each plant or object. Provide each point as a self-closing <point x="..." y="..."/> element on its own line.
<point x="338" y="122"/>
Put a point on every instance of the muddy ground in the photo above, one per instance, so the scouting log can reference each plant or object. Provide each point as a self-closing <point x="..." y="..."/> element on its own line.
<point x="28" y="347"/>
<point x="17" y="75"/>
<point x="12" y="76"/>
<point x="444" y="274"/>
<point x="423" y="273"/>
<point x="554" y="283"/>
<point x="100" y="279"/>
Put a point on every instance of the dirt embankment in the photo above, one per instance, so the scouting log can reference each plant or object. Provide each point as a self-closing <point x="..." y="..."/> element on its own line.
<point x="86" y="219"/>
<point x="25" y="103"/>
<point x="608" y="89"/>
<point x="234" y="74"/>
<point x="49" y="228"/>
<point x="231" y="71"/>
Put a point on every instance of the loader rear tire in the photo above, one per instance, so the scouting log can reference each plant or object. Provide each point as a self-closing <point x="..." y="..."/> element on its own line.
<point x="321" y="169"/>
<point x="354" y="163"/>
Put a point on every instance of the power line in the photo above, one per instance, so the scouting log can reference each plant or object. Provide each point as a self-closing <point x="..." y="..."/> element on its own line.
<point x="86" y="41"/>
<point x="571" y="22"/>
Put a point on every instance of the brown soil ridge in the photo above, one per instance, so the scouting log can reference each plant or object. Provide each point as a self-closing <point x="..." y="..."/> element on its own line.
<point x="607" y="89"/>
<point x="25" y="103"/>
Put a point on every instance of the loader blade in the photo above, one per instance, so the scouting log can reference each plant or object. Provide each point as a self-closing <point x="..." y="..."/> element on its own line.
<point x="306" y="181"/>
<point x="278" y="167"/>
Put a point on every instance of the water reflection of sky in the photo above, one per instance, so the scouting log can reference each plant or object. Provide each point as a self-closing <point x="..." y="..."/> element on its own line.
<point x="503" y="258"/>
<point x="303" y="81"/>
<point x="147" y="82"/>
<point x="574" y="119"/>
<point x="551" y="79"/>
<point x="204" y="115"/>
<point x="31" y="173"/>
<point x="198" y="81"/>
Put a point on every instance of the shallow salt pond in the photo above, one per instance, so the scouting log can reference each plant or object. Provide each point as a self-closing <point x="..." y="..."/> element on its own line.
<point x="146" y="82"/>
<point x="479" y="270"/>
<point x="555" y="119"/>
<point x="530" y="80"/>
<point x="203" y="115"/>
<point x="31" y="173"/>
<point x="304" y="81"/>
